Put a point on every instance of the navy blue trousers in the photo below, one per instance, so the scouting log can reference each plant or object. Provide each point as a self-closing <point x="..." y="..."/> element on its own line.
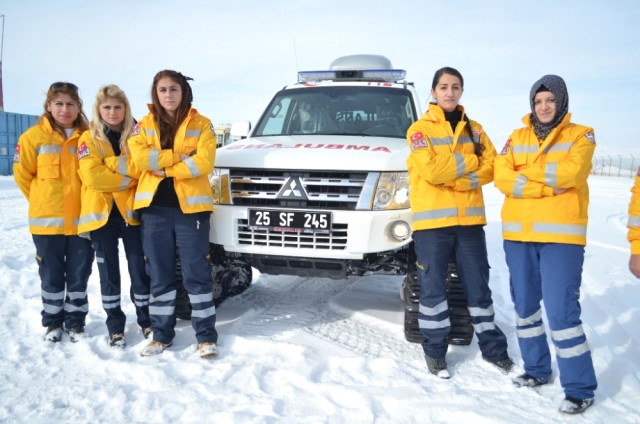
<point x="551" y="272"/>
<point x="105" y="242"/>
<point x="467" y="246"/>
<point x="163" y="230"/>
<point x="64" y="265"/>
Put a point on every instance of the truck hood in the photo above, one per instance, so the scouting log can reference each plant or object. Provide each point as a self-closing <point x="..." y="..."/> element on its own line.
<point x="317" y="152"/>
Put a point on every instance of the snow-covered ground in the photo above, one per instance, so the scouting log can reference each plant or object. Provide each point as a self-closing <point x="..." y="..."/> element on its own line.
<point x="309" y="350"/>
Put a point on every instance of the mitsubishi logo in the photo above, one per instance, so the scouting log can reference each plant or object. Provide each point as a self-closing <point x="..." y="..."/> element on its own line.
<point x="292" y="189"/>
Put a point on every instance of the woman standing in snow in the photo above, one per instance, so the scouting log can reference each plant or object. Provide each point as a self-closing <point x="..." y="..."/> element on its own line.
<point x="451" y="159"/>
<point x="109" y="182"/>
<point x="543" y="170"/>
<point x="634" y="227"/>
<point x="45" y="167"/>
<point x="174" y="147"/>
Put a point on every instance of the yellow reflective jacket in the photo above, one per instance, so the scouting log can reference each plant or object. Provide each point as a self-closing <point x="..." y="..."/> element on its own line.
<point x="105" y="178"/>
<point x="445" y="175"/>
<point x="527" y="171"/>
<point x="634" y="217"/>
<point x="190" y="162"/>
<point x="45" y="168"/>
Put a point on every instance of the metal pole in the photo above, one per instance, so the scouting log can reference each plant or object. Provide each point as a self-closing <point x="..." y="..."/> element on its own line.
<point x="1" y="50"/>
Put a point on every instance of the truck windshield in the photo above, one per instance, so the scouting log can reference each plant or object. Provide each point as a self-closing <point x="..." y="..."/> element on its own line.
<point x="339" y="110"/>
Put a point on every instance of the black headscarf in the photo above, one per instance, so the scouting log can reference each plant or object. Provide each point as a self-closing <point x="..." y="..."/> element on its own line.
<point x="556" y="85"/>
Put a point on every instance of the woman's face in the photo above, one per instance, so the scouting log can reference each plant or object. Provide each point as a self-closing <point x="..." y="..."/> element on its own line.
<point x="112" y="112"/>
<point x="544" y="106"/>
<point x="169" y="94"/>
<point x="447" y="92"/>
<point x="64" y="110"/>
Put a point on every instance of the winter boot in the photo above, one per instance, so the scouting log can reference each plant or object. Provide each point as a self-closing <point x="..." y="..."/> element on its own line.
<point x="154" y="348"/>
<point x="575" y="406"/>
<point x="437" y="366"/>
<point x="53" y="334"/>
<point x="117" y="340"/>
<point x="207" y="349"/>
<point x="504" y="365"/>
<point x="526" y="380"/>
<point x="76" y="334"/>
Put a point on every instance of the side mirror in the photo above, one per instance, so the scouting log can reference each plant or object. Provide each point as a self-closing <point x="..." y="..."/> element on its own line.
<point x="240" y="130"/>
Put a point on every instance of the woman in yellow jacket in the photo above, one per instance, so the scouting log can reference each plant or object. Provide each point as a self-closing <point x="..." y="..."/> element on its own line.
<point x="451" y="159"/>
<point x="634" y="227"/>
<point x="45" y="168"/>
<point x="108" y="186"/>
<point x="174" y="147"/>
<point x="543" y="170"/>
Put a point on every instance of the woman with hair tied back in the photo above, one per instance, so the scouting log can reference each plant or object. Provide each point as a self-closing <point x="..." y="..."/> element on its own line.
<point x="451" y="159"/>
<point x="542" y="171"/>
<point x="174" y="147"/>
<point x="45" y="167"/>
<point x="109" y="181"/>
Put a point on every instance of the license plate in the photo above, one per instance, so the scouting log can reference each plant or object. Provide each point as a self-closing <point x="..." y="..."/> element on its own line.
<point x="290" y="221"/>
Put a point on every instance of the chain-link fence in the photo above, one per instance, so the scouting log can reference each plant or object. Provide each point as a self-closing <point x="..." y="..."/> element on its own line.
<point x="615" y="165"/>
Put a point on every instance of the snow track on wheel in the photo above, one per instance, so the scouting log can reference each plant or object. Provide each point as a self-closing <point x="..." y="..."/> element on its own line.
<point x="281" y="307"/>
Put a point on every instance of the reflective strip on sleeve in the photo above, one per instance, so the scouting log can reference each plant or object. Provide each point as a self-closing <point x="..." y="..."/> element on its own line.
<point x="551" y="174"/>
<point x="473" y="179"/>
<point x="518" y="186"/>
<point x="154" y="154"/>
<point x="125" y="183"/>
<point x="459" y="164"/>
<point x="441" y="141"/>
<point x="634" y="221"/>
<point x="122" y="165"/>
<point x="193" y="168"/>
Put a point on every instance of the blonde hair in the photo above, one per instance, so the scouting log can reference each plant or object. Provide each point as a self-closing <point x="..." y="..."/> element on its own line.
<point x="111" y="91"/>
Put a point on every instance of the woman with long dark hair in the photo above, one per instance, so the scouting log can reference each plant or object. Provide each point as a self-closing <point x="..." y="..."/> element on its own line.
<point x="174" y="147"/>
<point x="451" y="159"/>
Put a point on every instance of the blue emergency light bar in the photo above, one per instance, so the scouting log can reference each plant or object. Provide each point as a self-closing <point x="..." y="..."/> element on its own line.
<point x="386" y="75"/>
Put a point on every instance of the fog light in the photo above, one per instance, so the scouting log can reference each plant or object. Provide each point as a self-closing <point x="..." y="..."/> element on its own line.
<point x="399" y="231"/>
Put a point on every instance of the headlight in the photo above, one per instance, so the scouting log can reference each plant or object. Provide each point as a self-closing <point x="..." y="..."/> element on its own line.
<point x="392" y="191"/>
<point x="219" y="181"/>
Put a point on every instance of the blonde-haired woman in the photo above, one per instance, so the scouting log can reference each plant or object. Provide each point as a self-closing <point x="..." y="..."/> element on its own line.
<point x="109" y="182"/>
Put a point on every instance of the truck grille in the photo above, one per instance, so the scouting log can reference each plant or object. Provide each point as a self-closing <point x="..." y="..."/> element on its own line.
<point x="335" y="240"/>
<point x="304" y="190"/>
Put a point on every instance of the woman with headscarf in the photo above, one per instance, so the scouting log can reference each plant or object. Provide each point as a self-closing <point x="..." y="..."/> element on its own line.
<point x="543" y="170"/>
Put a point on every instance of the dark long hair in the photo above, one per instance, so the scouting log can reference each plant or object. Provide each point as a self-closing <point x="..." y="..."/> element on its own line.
<point x="478" y="148"/>
<point x="168" y="125"/>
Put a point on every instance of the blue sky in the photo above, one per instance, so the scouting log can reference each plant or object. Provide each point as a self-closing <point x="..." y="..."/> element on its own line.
<point x="241" y="52"/>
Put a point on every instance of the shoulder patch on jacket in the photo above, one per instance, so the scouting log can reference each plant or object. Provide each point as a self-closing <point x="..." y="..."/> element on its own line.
<point x="591" y="137"/>
<point x="505" y="149"/>
<point x="83" y="150"/>
<point x="418" y="141"/>
<point x="16" y="154"/>
<point x="638" y="173"/>
<point x="477" y="132"/>
<point x="136" y="130"/>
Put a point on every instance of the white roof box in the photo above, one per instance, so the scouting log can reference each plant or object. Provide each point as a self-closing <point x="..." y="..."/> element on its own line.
<point x="360" y="62"/>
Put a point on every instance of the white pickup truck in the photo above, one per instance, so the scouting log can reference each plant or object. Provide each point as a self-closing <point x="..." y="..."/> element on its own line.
<point x="319" y="187"/>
